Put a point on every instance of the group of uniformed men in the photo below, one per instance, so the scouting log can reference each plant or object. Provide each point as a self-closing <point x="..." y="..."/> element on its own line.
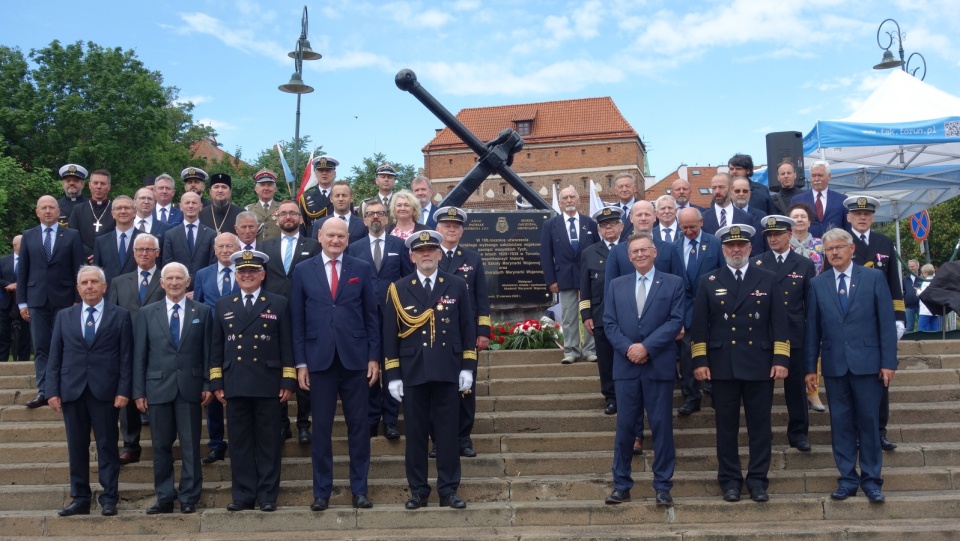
<point x="143" y="311"/>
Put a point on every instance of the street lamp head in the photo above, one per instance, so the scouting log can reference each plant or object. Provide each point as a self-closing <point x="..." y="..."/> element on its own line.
<point x="888" y="61"/>
<point x="306" y="53"/>
<point x="296" y="86"/>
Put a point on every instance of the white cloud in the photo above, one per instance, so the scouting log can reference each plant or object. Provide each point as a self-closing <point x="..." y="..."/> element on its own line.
<point x="409" y="14"/>
<point x="219" y="125"/>
<point x="471" y="79"/>
<point x="346" y="60"/>
<point x="466" y="5"/>
<point x="196" y="100"/>
<point x="247" y="40"/>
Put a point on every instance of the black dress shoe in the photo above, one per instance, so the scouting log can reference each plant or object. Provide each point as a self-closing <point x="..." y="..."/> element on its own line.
<point x="802" y="445"/>
<point x="886" y="444"/>
<point x="285" y="434"/>
<point x="433" y="452"/>
<point x="268" y="507"/>
<point x="390" y="431"/>
<point x="75" y="508"/>
<point x="160" y="508"/>
<point x="144" y="419"/>
<point x="468" y="452"/>
<point x="320" y="504"/>
<point x="687" y="409"/>
<point x="759" y="495"/>
<point x="452" y="501"/>
<point x="416" y="501"/>
<point x="611" y="408"/>
<point x="304" y="435"/>
<point x="128" y="457"/>
<point x="618" y="496"/>
<point x="708" y="388"/>
<point x="239" y="506"/>
<point x="188" y="508"/>
<point x="361" y="501"/>
<point x="37" y="402"/>
<point x="108" y="509"/>
<point x="213" y="456"/>
<point x="731" y="495"/>
<point x="664" y="497"/>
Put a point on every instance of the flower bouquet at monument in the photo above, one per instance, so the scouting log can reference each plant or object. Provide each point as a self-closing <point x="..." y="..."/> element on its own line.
<point x="528" y="334"/>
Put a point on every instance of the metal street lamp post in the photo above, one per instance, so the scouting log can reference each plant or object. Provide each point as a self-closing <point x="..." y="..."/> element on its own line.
<point x="296" y="86"/>
<point x="889" y="61"/>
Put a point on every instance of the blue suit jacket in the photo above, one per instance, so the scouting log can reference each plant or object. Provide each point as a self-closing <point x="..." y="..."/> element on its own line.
<point x="834" y="215"/>
<point x="206" y="286"/>
<point x="394" y="265"/>
<point x="106" y="254"/>
<point x="106" y="366"/>
<point x="657" y="328"/>
<point x="560" y="262"/>
<point x="174" y="218"/>
<point x="431" y="223"/>
<point x="53" y="284"/>
<point x="668" y="261"/>
<point x="709" y="259"/>
<point x="346" y="325"/>
<point x="861" y="341"/>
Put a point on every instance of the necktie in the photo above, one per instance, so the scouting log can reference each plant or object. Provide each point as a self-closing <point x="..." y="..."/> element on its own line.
<point x="163" y="214"/>
<point x="723" y="217"/>
<point x="288" y="255"/>
<point x="334" y="279"/>
<point x="667" y="236"/>
<point x="248" y="301"/>
<point x="143" y="226"/>
<point x="863" y="238"/>
<point x="385" y="203"/>
<point x="426" y="286"/>
<point x="324" y="193"/>
<point x="377" y="254"/>
<point x="89" y="330"/>
<point x="423" y="216"/>
<point x="625" y="210"/>
<point x="842" y="293"/>
<point x="175" y="325"/>
<point x="248" y="247"/>
<point x="641" y="295"/>
<point x="122" y="254"/>
<point x="143" y="285"/>
<point x="225" y="287"/>
<point x="819" y="206"/>
<point x="48" y="243"/>
<point x="448" y="260"/>
<point x="574" y="242"/>
<point x="692" y="261"/>
<point x="191" y="240"/>
<point x="266" y="207"/>
<point x="780" y="259"/>
<point x="739" y="278"/>
<point x="16" y="266"/>
<point x="344" y="218"/>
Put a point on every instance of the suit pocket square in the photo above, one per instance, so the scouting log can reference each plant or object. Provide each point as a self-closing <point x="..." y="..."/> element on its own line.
<point x="196" y="321"/>
<point x="354" y="280"/>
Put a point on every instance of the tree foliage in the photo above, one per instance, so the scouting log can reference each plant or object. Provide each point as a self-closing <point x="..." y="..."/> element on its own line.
<point x="270" y="159"/>
<point x="363" y="177"/>
<point x="944" y="234"/>
<point x="19" y="192"/>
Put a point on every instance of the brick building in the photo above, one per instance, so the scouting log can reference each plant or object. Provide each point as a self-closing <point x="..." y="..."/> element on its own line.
<point x="565" y="142"/>
<point x="699" y="177"/>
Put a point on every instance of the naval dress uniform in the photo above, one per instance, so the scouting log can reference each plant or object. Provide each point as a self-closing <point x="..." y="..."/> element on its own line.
<point x="68" y="203"/>
<point x="314" y="204"/>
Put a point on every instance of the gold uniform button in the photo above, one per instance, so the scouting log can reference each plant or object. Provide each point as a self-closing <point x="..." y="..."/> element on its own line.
<point x="254" y="359"/>
<point x="230" y="325"/>
<point x="784" y="302"/>
<point x="254" y="347"/>
<point x="424" y="344"/>
<point x="721" y="303"/>
<point x="239" y="346"/>
<point x="758" y="302"/>
<point x="750" y="343"/>
<point x="423" y="332"/>
<point x="443" y="332"/>
<point x="734" y="316"/>
<point x="734" y="329"/>
<point x="239" y="336"/>
<point x="264" y="325"/>
<point x="734" y="342"/>
<point x="239" y="358"/>
<point x="786" y="293"/>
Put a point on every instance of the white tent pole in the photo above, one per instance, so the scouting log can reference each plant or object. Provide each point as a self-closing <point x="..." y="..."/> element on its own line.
<point x="899" y="267"/>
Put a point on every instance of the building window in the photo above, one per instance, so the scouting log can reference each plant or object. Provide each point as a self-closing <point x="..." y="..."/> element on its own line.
<point x="704" y="191"/>
<point x="583" y="151"/>
<point x="503" y="189"/>
<point x="523" y="127"/>
<point x="451" y="161"/>
<point x="695" y="172"/>
<point x="528" y="155"/>
<point x="669" y="191"/>
<point x="608" y="149"/>
<point x="556" y="153"/>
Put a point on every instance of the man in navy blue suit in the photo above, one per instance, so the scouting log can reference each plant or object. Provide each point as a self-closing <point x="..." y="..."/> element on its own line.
<point x="166" y="211"/>
<point x="389" y="260"/>
<point x="827" y="205"/>
<point x="341" y="196"/>
<point x="145" y="222"/>
<point x="423" y="191"/>
<point x="852" y="328"/>
<point x="49" y="258"/>
<point x="741" y="165"/>
<point x="336" y="349"/>
<point x="740" y="189"/>
<point x="643" y="218"/>
<point x="722" y="212"/>
<point x="89" y="380"/>
<point x="113" y="251"/>
<point x="680" y="190"/>
<point x="643" y="314"/>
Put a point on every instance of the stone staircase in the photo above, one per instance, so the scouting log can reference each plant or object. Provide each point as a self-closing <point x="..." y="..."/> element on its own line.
<point x="542" y="472"/>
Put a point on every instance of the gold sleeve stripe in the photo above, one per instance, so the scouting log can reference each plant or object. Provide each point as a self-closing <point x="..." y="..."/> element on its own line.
<point x="470" y="354"/>
<point x="585" y="305"/>
<point x="698" y="349"/>
<point x="898" y="306"/>
<point x="483" y="321"/>
<point x="216" y="373"/>
<point x="781" y="348"/>
<point x="390" y="364"/>
<point x="289" y="372"/>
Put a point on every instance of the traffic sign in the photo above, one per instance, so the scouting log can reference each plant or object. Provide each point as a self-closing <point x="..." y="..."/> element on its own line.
<point x="920" y="225"/>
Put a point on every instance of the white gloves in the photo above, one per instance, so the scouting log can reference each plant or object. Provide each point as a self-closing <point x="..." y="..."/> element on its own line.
<point x="396" y="389"/>
<point x="466" y="380"/>
<point x="901" y="328"/>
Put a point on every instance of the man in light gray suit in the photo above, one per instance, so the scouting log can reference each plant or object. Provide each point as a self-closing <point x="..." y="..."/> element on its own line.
<point x="170" y="383"/>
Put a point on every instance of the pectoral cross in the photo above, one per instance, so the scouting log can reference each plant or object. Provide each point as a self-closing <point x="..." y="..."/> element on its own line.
<point x="96" y="226"/>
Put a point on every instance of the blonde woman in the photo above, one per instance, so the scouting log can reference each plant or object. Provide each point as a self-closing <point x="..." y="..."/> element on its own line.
<point x="404" y="209"/>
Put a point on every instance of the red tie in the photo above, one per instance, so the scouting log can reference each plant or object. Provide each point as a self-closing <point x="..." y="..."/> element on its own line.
<point x="334" y="280"/>
<point x="819" y="206"/>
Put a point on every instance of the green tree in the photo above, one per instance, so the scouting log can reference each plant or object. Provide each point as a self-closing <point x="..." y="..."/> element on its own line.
<point x="270" y="159"/>
<point x="19" y="192"/>
<point x="363" y="177"/>
<point x="943" y="238"/>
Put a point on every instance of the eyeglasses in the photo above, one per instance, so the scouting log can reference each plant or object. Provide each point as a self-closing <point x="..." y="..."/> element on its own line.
<point x="372" y="213"/>
<point x="145" y="250"/>
<point x="835" y="249"/>
<point x="123" y="209"/>
<point x="144" y="198"/>
<point x="288" y="214"/>
<point x="639" y="251"/>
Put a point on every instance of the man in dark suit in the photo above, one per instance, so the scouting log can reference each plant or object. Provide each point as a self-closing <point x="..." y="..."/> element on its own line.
<point x="739" y="342"/>
<point x="642" y="317"/>
<point x="701" y="255"/>
<point x="337" y="351"/>
<point x="723" y="212"/>
<point x="341" y="195"/>
<point x="389" y="260"/>
<point x="741" y="165"/>
<point x="852" y="328"/>
<point x="132" y="291"/>
<point x="88" y="380"/>
<point x="191" y="242"/>
<point x="72" y="177"/>
<point x="666" y="227"/>
<point x="680" y="190"/>
<point x="794" y="273"/>
<point x="911" y="302"/>
<point x="14" y="330"/>
<point x="643" y="218"/>
<point x="285" y="254"/>
<point x="740" y="189"/>
<point x="422" y="189"/>
<point x="113" y="251"/>
<point x="145" y="221"/>
<point x="251" y="368"/>
<point x="95" y="218"/>
<point x="170" y="371"/>
<point x="876" y="250"/>
<point x="592" y="286"/>
<point x="466" y="264"/>
<point x="429" y="369"/>
<point x="315" y="202"/>
<point x="221" y="214"/>
<point x="46" y="277"/>
<point x="625" y="187"/>
<point x="166" y="211"/>
<point x="827" y="205"/>
<point x="563" y="239"/>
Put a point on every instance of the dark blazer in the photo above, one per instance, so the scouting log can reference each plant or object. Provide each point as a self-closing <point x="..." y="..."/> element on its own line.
<point x="468" y="265"/>
<point x="82" y="219"/>
<point x="159" y="229"/>
<point x="7" y="277"/>
<point x="105" y="366"/>
<point x="560" y="262"/>
<point x="760" y="199"/>
<point x="711" y="224"/>
<point x="106" y="254"/>
<point x="324" y="325"/>
<point x="668" y="260"/>
<point x="834" y="215"/>
<point x="880" y="254"/>
<point x="161" y="370"/>
<point x="910" y="298"/>
<point x="206" y="285"/>
<point x="709" y="259"/>
<point x="431" y="209"/>
<point x="394" y="265"/>
<point x="124" y="291"/>
<point x="278" y="281"/>
<point x="592" y="283"/>
<point x="758" y="242"/>
<point x="174" y="217"/>
<point x="53" y="284"/>
<point x="657" y="328"/>
<point x="175" y="248"/>
<point x="793" y="277"/>
<point x="356" y="229"/>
